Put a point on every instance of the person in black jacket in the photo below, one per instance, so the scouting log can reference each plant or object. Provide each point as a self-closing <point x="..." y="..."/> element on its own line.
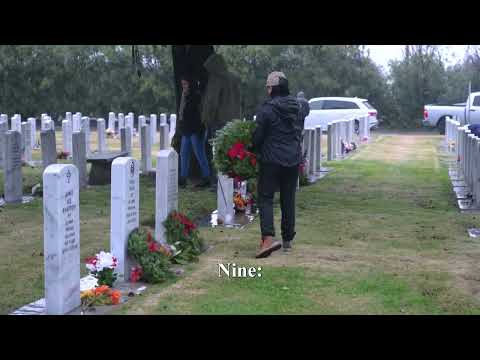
<point x="277" y="142"/>
<point x="192" y="133"/>
<point x="304" y="107"/>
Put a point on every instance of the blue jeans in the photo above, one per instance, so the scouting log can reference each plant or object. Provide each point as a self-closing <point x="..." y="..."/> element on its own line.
<point x="198" y="142"/>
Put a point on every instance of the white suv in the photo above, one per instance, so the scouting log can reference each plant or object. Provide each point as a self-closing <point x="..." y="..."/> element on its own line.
<point x="327" y="109"/>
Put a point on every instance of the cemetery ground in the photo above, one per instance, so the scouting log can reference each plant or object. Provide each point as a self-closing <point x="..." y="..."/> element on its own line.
<point x="381" y="234"/>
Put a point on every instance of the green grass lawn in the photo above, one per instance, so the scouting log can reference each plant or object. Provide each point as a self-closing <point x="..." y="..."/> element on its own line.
<point x="379" y="235"/>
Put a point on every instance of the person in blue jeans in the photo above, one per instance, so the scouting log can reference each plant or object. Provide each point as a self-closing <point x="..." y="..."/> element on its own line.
<point x="193" y="133"/>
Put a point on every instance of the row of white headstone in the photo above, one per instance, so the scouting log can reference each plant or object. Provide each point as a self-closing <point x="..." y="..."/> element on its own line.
<point x="467" y="150"/>
<point x="61" y="211"/>
<point x="16" y="147"/>
<point x="342" y="132"/>
<point x="27" y="129"/>
<point x="76" y="122"/>
<point x="451" y="132"/>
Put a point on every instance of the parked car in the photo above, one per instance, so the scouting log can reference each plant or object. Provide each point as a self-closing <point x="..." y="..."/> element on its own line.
<point x="468" y="112"/>
<point x="326" y="109"/>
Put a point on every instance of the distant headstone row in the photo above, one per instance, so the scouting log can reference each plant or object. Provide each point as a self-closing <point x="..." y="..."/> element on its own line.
<point x="76" y="122"/>
<point x="341" y="135"/>
<point x="16" y="149"/>
<point x="464" y="170"/>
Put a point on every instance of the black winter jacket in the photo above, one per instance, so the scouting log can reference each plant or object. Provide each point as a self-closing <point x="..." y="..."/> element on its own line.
<point x="304" y="109"/>
<point x="190" y="121"/>
<point x="277" y="137"/>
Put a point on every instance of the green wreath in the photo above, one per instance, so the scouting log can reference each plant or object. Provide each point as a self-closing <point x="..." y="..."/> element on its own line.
<point x="233" y="146"/>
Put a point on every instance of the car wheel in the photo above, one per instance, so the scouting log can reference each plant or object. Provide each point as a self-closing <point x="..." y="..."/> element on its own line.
<point x="441" y="126"/>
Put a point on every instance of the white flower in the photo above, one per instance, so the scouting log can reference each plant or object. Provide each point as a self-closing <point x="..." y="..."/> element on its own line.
<point x="89" y="282"/>
<point x="105" y="260"/>
<point x="90" y="267"/>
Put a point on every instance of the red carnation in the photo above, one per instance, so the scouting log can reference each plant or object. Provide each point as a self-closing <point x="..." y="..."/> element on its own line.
<point x="237" y="149"/>
<point x="242" y="154"/>
<point x="253" y="160"/>
<point x="149" y="237"/>
<point x="153" y="246"/>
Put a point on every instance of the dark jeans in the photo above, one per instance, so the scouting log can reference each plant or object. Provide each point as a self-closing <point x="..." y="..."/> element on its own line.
<point x="272" y="177"/>
<point x="197" y="141"/>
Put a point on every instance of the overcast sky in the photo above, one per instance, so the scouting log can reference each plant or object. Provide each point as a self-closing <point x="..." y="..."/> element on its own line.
<point x="381" y="54"/>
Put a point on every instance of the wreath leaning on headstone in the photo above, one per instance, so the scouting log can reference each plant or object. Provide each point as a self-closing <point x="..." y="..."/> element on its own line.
<point x="233" y="146"/>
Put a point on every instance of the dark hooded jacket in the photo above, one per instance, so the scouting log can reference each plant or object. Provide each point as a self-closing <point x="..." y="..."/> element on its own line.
<point x="221" y="100"/>
<point x="304" y="106"/>
<point x="189" y="122"/>
<point x="277" y="137"/>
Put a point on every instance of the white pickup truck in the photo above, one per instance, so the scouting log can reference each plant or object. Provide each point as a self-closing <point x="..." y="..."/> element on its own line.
<point x="467" y="113"/>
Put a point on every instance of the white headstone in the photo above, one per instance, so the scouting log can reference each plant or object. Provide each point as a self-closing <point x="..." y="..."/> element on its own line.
<point x="166" y="191"/>
<point x="121" y="121"/>
<point x="313" y="152"/>
<point x="141" y="121"/>
<point x="85" y="128"/>
<point x="43" y="118"/>
<point x="153" y="128"/>
<point x="111" y="121"/>
<point x="79" y="157"/>
<point x="126" y="140"/>
<point x="146" y="148"/>
<point x="67" y="136"/>
<point x="49" y="148"/>
<point x="225" y="207"/>
<point x="47" y="124"/>
<point x="124" y="214"/>
<point x="3" y="140"/>
<point x="131" y="122"/>
<point x="61" y="238"/>
<point x="27" y="141"/>
<point x="164" y="137"/>
<point x="16" y="123"/>
<point x="33" y="131"/>
<point x="12" y="175"/>
<point x="318" y="148"/>
<point x="163" y="118"/>
<point x="329" y="141"/>
<point x="76" y="123"/>
<point x="101" y="137"/>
